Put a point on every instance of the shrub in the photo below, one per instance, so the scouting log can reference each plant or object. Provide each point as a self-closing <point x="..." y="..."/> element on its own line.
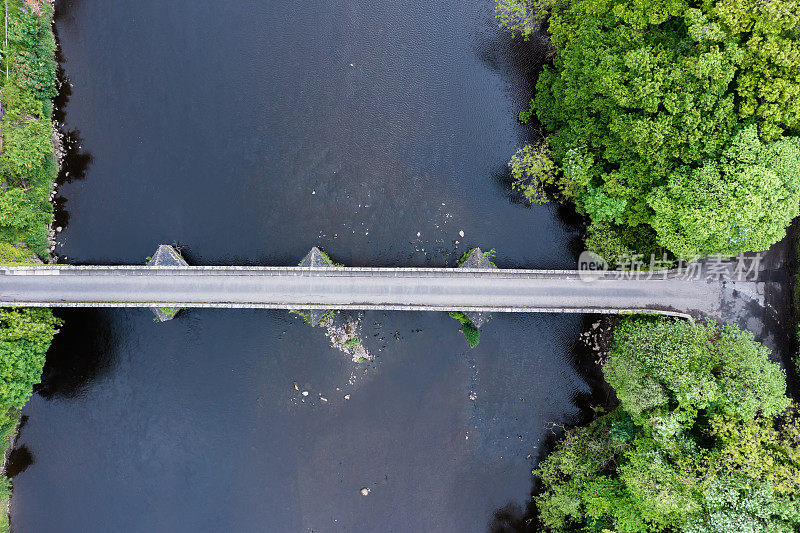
<point x="517" y="16"/>
<point x="605" y="241"/>
<point x="28" y="152"/>
<point x="470" y="332"/>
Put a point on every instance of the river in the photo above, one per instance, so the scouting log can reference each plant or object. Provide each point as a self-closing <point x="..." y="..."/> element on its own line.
<point x="248" y="132"/>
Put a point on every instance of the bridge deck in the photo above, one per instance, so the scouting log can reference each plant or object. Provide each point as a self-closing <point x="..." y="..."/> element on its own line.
<point x="431" y="289"/>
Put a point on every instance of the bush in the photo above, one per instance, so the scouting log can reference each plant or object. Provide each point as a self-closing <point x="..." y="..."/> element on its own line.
<point x="532" y="170"/>
<point x="471" y="333"/>
<point x="27" y="160"/>
<point x="18" y="102"/>
<point x="37" y="73"/>
<point x="28" y="152"/>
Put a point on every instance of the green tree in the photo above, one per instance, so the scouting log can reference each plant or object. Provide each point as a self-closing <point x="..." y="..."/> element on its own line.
<point x="653" y="93"/>
<point x="532" y="170"/>
<point x="703" y="440"/>
<point x="742" y="201"/>
<point x="518" y="16"/>
<point x="28" y="152"/>
<point x="767" y="85"/>
<point x="25" y="336"/>
<point x="657" y="365"/>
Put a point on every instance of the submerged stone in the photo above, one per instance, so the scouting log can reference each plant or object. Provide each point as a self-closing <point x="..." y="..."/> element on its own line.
<point x="166" y="255"/>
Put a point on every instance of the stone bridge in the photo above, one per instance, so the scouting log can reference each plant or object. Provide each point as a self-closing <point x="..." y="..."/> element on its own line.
<point x="476" y="287"/>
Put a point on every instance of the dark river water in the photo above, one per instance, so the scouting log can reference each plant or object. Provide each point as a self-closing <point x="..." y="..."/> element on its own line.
<point x="249" y="132"/>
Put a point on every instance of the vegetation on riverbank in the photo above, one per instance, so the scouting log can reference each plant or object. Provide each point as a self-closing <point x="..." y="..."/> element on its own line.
<point x="29" y="170"/>
<point x="704" y="439"/>
<point x="671" y="125"/>
<point x="25" y="336"/>
<point x="28" y="162"/>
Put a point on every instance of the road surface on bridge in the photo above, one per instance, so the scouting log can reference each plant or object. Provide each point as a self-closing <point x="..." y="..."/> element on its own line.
<point x="423" y="289"/>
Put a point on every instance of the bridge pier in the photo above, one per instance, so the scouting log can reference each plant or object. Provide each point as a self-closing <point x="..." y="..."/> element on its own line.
<point x="166" y="255"/>
<point x="477" y="259"/>
<point x="314" y="259"/>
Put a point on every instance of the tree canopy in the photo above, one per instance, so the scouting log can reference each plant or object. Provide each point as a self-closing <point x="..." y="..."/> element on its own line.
<point x="704" y="439"/>
<point x="27" y="161"/>
<point x="25" y="336"/>
<point x="668" y="113"/>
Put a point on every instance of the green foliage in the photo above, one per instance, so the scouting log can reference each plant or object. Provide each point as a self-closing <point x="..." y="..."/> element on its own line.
<point x="736" y="504"/>
<point x="28" y="171"/>
<point x="767" y="85"/>
<point x="15" y="255"/>
<point x="306" y="316"/>
<point x="532" y="170"/>
<point x="616" y="243"/>
<point x="602" y="207"/>
<point x="28" y="152"/>
<point x="353" y="343"/>
<point x="656" y="365"/>
<point x="5" y="494"/>
<point x="32" y="52"/>
<point x="648" y="102"/>
<point x="25" y="336"/>
<point x="470" y="332"/>
<point x="573" y="466"/>
<point x="472" y="335"/>
<point x="763" y="449"/>
<point x="605" y="241"/>
<point x="27" y="162"/>
<point x="329" y="260"/>
<point x="742" y="201"/>
<point x="702" y="441"/>
<point x="518" y="16"/>
<point x="36" y="72"/>
<point x="18" y="103"/>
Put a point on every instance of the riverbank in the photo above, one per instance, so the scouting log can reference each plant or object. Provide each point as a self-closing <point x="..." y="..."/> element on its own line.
<point x="28" y="157"/>
<point x="641" y="201"/>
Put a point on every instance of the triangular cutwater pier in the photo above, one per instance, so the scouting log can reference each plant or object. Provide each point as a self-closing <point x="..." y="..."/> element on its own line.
<point x="167" y="256"/>
<point x="315" y="259"/>
<point x="476" y="259"/>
